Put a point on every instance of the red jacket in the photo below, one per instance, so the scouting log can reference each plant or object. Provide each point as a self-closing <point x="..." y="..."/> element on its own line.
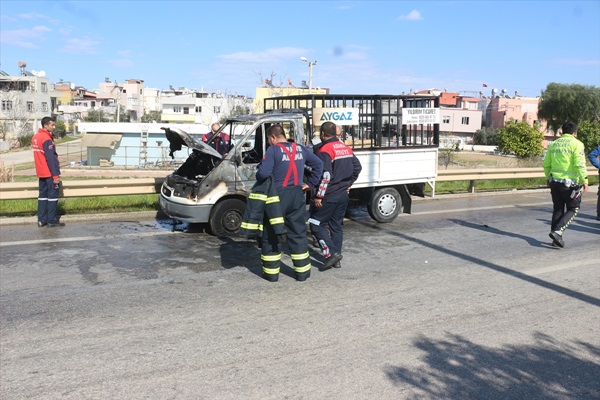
<point x="44" y="155"/>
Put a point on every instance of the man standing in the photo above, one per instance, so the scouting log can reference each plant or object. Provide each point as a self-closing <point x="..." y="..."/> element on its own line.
<point x="340" y="169"/>
<point x="47" y="168"/>
<point x="594" y="156"/>
<point x="220" y="143"/>
<point x="565" y="170"/>
<point x="284" y="161"/>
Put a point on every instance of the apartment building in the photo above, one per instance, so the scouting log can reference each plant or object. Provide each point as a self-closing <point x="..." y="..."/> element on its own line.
<point x="25" y="99"/>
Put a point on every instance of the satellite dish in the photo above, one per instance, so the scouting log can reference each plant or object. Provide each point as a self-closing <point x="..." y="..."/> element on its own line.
<point x="494" y="91"/>
<point x="22" y="64"/>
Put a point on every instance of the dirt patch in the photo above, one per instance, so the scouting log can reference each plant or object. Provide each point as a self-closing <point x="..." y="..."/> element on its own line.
<point x="463" y="159"/>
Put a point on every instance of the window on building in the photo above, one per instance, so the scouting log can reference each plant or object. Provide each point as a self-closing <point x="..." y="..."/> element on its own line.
<point x="124" y="91"/>
<point x="23" y="86"/>
<point x="176" y="109"/>
<point x="44" y="87"/>
<point x="465" y="120"/>
<point x="7" y="105"/>
<point x="198" y="109"/>
<point x="217" y="109"/>
<point x="186" y="110"/>
<point x="446" y="119"/>
<point x="44" y="106"/>
<point x="30" y="106"/>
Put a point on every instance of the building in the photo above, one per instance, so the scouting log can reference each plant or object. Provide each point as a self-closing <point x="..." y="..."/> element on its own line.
<point x="202" y="108"/>
<point x="25" y="99"/>
<point x="128" y="95"/>
<point x="132" y="145"/>
<point x="267" y="91"/>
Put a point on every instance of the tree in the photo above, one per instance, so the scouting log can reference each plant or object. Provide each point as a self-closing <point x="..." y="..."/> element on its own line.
<point x="561" y="103"/>
<point x="520" y="139"/>
<point x="96" y="116"/>
<point x="485" y="136"/>
<point x="152" y="116"/>
<point x="60" y="130"/>
<point x="589" y="134"/>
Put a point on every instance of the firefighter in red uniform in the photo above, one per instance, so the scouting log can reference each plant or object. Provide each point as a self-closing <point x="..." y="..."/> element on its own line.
<point x="47" y="168"/>
<point x="285" y="161"/>
<point x="220" y="143"/>
<point x="340" y="169"/>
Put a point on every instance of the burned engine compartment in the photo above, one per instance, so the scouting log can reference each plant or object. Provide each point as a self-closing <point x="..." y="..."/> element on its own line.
<point x="186" y="180"/>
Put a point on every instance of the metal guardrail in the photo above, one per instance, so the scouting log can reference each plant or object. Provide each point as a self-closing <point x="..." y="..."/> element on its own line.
<point x="86" y="188"/>
<point x="114" y="187"/>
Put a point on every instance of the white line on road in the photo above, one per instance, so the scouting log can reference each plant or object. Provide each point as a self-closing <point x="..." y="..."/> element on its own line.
<point x="478" y="208"/>
<point x="83" y="238"/>
<point x="562" y="266"/>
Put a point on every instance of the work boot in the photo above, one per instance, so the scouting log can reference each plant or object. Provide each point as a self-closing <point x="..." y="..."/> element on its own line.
<point x="557" y="239"/>
<point x="42" y="224"/>
<point x="271" y="277"/>
<point x="302" y="276"/>
<point x="334" y="258"/>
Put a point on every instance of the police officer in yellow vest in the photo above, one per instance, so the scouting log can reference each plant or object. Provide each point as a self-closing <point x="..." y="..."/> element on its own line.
<point x="566" y="172"/>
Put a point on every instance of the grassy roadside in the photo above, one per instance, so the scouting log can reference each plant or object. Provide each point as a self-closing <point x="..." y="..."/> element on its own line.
<point x="149" y="202"/>
<point x="113" y="204"/>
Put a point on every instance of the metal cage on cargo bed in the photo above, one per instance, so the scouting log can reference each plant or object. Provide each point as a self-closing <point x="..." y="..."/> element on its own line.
<point x="379" y="124"/>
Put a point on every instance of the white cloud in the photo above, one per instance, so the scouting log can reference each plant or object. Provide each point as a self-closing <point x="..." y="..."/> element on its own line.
<point x="414" y="15"/>
<point x="27" y="38"/>
<point x="267" y="56"/>
<point x="122" y="63"/>
<point x="83" y="45"/>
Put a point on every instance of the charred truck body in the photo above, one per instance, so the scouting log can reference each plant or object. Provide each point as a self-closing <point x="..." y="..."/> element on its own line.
<point x="395" y="138"/>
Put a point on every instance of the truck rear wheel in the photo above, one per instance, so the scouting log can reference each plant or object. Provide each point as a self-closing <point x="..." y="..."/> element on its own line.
<point x="226" y="217"/>
<point x="385" y="205"/>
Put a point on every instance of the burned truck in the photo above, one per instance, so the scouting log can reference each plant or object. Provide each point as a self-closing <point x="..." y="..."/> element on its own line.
<point x="398" y="158"/>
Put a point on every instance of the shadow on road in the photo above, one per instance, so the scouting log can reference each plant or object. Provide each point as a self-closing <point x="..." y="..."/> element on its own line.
<point x="457" y="368"/>
<point x="477" y="261"/>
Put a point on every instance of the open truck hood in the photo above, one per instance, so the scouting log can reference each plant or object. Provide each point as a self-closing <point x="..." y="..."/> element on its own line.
<point x="178" y="138"/>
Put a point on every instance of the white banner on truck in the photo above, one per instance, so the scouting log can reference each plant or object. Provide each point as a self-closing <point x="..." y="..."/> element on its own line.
<point x="339" y="116"/>
<point x="420" y="116"/>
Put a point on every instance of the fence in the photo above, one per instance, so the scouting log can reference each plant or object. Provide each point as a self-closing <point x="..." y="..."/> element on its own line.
<point x="111" y="187"/>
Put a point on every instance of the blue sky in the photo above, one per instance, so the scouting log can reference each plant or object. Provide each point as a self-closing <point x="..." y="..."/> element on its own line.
<point x="361" y="47"/>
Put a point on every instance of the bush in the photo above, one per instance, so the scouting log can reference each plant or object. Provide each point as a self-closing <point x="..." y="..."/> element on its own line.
<point x="589" y="134"/>
<point x="25" y="140"/>
<point x="520" y="139"/>
<point x="485" y="136"/>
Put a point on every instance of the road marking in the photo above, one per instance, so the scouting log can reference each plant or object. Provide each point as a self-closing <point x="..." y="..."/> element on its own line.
<point x="84" y="238"/>
<point x="561" y="267"/>
<point x="478" y="208"/>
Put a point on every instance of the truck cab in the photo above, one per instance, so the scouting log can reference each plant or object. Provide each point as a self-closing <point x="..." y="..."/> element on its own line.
<point x="212" y="188"/>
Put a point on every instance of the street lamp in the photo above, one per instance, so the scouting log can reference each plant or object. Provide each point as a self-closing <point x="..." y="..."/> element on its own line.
<point x="310" y="65"/>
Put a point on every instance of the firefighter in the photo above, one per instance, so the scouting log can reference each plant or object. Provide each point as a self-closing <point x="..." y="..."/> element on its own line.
<point x="47" y="168"/>
<point x="340" y="170"/>
<point x="220" y="143"/>
<point x="285" y="161"/>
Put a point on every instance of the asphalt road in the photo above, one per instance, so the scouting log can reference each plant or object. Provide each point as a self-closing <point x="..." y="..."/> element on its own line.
<point x="464" y="299"/>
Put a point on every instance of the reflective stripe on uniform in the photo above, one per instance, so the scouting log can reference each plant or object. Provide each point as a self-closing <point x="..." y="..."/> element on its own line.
<point x="302" y="256"/>
<point x="272" y="199"/>
<point x="271" y="258"/>
<point x="258" y="196"/>
<point x="301" y="269"/>
<point x="276" y="220"/>
<point x="271" y="271"/>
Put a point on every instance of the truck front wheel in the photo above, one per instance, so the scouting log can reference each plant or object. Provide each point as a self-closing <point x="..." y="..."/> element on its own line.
<point x="385" y="205"/>
<point x="226" y="217"/>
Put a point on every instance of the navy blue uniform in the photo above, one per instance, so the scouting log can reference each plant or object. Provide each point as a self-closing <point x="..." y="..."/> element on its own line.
<point x="285" y="163"/>
<point x="340" y="170"/>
